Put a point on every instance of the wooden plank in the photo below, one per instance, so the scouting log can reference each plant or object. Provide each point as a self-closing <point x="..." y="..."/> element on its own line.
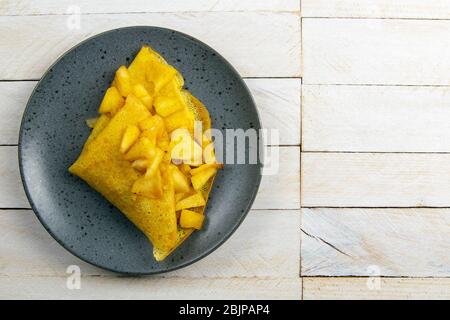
<point x="384" y="242"/>
<point x="30" y="7"/>
<point x="375" y="180"/>
<point x="430" y="9"/>
<point x="364" y="288"/>
<point x="12" y="194"/>
<point x="281" y="190"/>
<point x="279" y="105"/>
<point x="376" y="118"/>
<point x="242" y="268"/>
<point x="278" y="102"/>
<point x="15" y="96"/>
<point x="257" y="249"/>
<point x="278" y="191"/>
<point x="26" y="54"/>
<point x="358" y="51"/>
<point x="152" y="288"/>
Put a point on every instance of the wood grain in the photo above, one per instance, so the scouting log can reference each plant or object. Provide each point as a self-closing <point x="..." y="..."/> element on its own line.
<point x="278" y="102"/>
<point x="376" y="118"/>
<point x="387" y="52"/>
<point x="26" y="54"/>
<point x="243" y="267"/>
<point x="11" y="194"/>
<point x="264" y="236"/>
<point x="375" y="180"/>
<point x="430" y="9"/>
<point x="278" y="191"/>
<point x="153" y="288"/>
<point x="279" y="105"/>
<point x="365" y="288"/>
<point x="385" y="242"/>
<point x="30" y="7"/>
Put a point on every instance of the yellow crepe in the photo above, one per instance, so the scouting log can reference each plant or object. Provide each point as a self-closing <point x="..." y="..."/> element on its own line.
<point x="201" y="114"/>
<point x="103" y="167"/>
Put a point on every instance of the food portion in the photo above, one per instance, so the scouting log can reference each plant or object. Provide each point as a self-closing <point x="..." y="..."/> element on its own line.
<point x="147" y="154"/>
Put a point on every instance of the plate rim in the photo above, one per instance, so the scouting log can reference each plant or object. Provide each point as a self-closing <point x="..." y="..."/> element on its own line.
<point x="187" y="262"/>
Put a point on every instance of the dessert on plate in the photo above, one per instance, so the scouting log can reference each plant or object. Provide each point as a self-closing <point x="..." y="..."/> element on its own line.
<point x="150" y="152"/>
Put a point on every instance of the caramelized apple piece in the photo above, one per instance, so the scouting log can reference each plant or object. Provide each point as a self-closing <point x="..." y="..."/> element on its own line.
<point x="141" y="92"/>
<point x="154" y="124"/>
<point x="196" y="200"/>
<point x="184" y="148"/>
<point x="149" y="187"/>
<point x="180" y="119"/>
<point x="129" y="138"/>
<point x="191" y="219"/>
<point x="137" y="68"/>
<point x="123" y="81"/>
<point x="180" y="181"/>
<point x="112" y="101"/>
<point x="163" y="142"/>
<point x="141" y="164"/>
<point x="199" y="180"/>
<point x="159" y="73"/>
<point x="143" y="148"/>
<point x="156" y="161"/>
<point x="179" y="196"/>
<point x="185" y="168"/>
<point x="165" y="106"/>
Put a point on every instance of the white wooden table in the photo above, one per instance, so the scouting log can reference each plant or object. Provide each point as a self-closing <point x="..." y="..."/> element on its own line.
<point x="359" y="90"/>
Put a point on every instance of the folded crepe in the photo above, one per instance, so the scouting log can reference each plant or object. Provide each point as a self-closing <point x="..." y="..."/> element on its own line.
<point x="148" y="89"/>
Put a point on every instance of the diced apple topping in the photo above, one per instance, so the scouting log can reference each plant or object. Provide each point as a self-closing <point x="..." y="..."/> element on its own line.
<point x="199" y="180"/>
<point x="141" y="164"/>
<point x="184" y="149"/>
<point x="129" y="138"/>
<point x="165" y="106"/>
<point x="180" y="181"/>
<point x="159" y="73"/>
<point x="191" y="219"/>
<point x="185" y="168"/>
<point x="179" y="196"/>
<point x="196" y="200"/>
<point x="152" y="127"/>
<point x="180" y="119"/>
<point x="161" y="147"/>
<point x="149" y="187"/>
<point x="123" y="81"/>
<point x="141" y="92"/>
<point x="112" y="101"/>
<point x="143" y="148"/>
<point x="156" y="161"/>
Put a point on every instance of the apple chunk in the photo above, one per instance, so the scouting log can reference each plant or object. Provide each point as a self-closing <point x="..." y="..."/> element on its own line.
<point x="196" y="200"/>
<point x="184" y="148"/>
<point x="180" y="181"/>
<point x="165" y="106"/>
<point x="112" y="101"/>
<point x="199" y="180"/>
<point x="149" y="187"/>
<point x="129" y="138"/>
<point x="143" y="148"/>
<point x="123" y="81"/>
<point x="191" y="219"/>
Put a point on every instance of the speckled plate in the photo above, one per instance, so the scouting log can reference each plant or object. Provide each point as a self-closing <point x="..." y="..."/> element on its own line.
<point x="53" y="132"/>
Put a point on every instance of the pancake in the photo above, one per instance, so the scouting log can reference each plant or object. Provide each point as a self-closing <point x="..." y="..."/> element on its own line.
<point x="102" y="163"/>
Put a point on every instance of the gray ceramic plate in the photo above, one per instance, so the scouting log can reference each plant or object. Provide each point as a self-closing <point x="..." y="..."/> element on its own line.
<point x="53" y="132"/>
